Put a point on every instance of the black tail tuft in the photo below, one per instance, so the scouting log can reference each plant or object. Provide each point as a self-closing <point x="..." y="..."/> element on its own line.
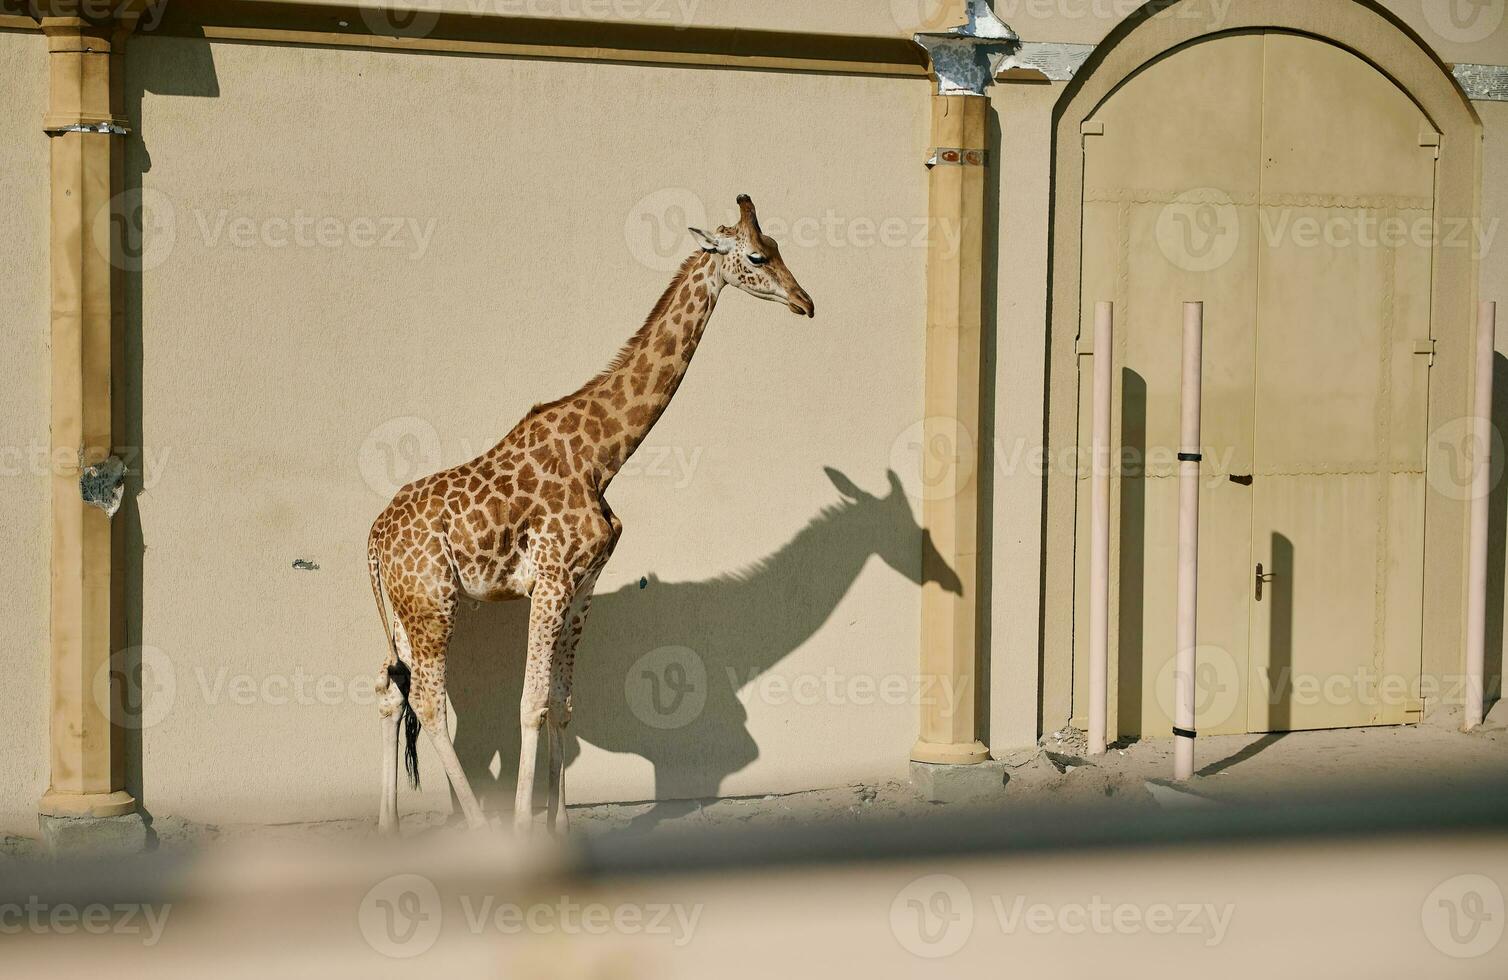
<point x="400" y="675"/>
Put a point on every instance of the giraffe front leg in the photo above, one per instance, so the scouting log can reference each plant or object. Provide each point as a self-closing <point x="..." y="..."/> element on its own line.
<point x="555" y="818"/>
<point x="547" y="619"/>
<point x="559" y="714"/>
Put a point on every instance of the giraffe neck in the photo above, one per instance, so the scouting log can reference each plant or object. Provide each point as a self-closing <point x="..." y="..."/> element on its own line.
<point x="637" y="388"/>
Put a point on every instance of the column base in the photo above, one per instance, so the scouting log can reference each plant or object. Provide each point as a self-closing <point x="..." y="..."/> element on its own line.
<point x="950" y="753"/>
<point x="110" y="836"/>
<point x="957" y="784"/>
<point x="56" y="804"/>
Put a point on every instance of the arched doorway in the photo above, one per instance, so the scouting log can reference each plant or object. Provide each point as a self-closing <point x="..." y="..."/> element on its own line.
<point x="1291" y="183"/>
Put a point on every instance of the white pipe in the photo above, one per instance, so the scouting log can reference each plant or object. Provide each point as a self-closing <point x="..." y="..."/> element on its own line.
<point x="1188" y="541"/>
<point x="1481" y="490"/>
<point x="1099" y="534"/>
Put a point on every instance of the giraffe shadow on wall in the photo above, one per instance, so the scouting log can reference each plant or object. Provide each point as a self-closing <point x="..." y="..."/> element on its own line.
<point x="659" y="667"/>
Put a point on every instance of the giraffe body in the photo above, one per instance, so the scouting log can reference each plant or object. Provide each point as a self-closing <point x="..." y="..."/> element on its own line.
<point x="529" y="519"/>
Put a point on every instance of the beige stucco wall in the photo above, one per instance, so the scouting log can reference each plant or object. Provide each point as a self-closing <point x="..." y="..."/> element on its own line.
<point x="23" y="424"/>
<point x="1024" y="114"/>
<point x="280" y="382"/>
<point x="1473" y="33"/>
<point x="277" y="379"/>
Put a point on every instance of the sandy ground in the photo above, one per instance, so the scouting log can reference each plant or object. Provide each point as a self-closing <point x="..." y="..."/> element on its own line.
<point x="1230" y="770"/>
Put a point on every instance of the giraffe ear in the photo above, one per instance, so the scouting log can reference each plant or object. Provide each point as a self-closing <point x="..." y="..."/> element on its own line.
<point x="708" y="243"/>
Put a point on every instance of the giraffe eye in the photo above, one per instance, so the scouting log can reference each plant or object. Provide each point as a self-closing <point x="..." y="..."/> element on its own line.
<point x="756" y="259"/>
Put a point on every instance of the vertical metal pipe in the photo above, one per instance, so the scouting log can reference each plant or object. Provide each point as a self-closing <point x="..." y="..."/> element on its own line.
<point x="1188" y="541"/>
<point x="1099" y="534"/>
<point x="1481" y="490"/>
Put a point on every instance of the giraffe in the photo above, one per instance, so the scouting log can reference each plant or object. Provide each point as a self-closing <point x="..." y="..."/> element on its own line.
<point x="529" y="518"/>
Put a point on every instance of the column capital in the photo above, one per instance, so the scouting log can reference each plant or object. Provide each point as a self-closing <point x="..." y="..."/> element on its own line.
<point x="966" y="58"/>
<point x="83" y="38"/>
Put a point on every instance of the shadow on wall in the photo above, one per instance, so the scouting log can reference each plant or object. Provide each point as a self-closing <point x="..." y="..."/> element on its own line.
<point x="1497" y="541"/>
<point x="661" y="663"/>
<point x="188" y="72"/>
<point x="1131" y="652"/>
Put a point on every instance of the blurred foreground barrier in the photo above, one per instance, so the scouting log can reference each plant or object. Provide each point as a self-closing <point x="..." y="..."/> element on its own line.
<point x="1389" y="886"/>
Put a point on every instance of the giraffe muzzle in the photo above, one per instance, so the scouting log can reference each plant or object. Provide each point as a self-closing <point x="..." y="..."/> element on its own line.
<point x="802" y="304"/>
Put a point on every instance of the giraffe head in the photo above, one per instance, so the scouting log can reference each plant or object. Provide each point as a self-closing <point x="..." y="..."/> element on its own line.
<point x="751" y="261"/>
<point x="888" y="526"/>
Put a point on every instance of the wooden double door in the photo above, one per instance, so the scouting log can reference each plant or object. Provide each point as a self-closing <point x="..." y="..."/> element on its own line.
<point x="1290" y="186"/>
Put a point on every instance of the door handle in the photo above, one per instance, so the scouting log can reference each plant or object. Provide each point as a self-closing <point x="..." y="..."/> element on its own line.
<point x="1261" y="579"/>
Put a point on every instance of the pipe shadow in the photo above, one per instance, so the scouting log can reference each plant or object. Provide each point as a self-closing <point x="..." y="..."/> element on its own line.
<point x="1280" y="636"/>
<point x="989" y="351"/>
<point x="1278" y="597"/>
<point x="187" y="70"/>
<point x="1132" y="573"/>
<point x="1260" y="745"/>
<point x="661" y="664"/>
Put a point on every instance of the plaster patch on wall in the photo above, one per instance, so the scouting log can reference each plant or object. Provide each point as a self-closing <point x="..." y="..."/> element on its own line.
<point x="103" y="485"/>
<point x="109" y="129"/>
<point x="966" y="59"/>
<point x="1056" y="62"/>
<point x="1484" y="83"/>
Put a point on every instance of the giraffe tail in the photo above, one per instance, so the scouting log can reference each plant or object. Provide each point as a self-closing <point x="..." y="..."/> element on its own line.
<point x="399" y="674"/>
<point x="397" y="671"/>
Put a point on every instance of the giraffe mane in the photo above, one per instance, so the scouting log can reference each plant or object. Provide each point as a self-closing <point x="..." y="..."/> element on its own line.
<point x="661" y="307"/>
<point x="621" y="359"/>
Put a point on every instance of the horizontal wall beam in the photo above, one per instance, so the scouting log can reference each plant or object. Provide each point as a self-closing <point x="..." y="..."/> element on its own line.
<point x="330" y="25"/>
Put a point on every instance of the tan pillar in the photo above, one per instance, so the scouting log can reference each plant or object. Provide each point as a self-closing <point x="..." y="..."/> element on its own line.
<point x="950" y="629"/>
<point x="965" y="57"/>
<point x="86" y="130"/>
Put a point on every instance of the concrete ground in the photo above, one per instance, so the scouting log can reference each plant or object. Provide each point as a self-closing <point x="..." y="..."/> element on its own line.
<point x="1230" y="769"/>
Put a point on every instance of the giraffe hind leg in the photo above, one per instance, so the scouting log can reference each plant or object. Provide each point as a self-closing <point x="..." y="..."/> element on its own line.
<point x="387" y="812"/>
<point x="396" y="715"/>
<point x="427" y="696"/>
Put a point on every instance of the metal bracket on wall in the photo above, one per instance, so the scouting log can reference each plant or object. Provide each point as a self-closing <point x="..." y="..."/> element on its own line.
<point x="1426" y="348"/>
<point x="108" y="128"/>
<point x="953" y="156"/>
